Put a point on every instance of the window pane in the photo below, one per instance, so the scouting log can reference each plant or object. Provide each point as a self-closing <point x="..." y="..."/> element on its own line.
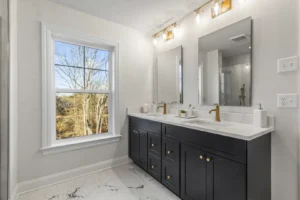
<point x="81" y="115"/>
<point x="69" y="77"/>
<point x="96" y="58"/>
<point x="69" y="54"/>
<point x="96" y="80"/>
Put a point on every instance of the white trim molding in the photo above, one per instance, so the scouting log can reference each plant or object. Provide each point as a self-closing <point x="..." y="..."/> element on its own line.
<point x="50" y="145"/>
<point x="13" y="195"/>
<point x="85" y="143"/>
<point x="32" y="185"/>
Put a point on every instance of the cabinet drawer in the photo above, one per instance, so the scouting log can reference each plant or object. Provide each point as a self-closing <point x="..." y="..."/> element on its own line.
<point x="154" y="127"/>
<point x="154" y="144"/>
<point x="171" y="152"/>
<point x="139" y="123"/>
<point x="170" y="177"/>
<point x="227" y="147"/>
<point x="154" y="167"/>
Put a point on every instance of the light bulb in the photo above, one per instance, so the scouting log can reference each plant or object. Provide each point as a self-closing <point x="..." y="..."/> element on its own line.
<point x="175" y="31"/>
<point x="165" y="36"/>
<point x="155" y="41"/>
<point x="217" y="9"/>
<point x="198" y="18"/>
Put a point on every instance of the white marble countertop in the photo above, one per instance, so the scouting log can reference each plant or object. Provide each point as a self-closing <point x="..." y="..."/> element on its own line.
<point x="230" y="129"/>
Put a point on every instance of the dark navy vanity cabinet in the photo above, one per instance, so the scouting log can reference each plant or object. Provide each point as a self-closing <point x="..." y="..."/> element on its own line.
<point x="197" y="165"/>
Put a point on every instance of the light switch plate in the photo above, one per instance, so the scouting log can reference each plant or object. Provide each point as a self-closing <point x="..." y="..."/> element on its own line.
<point x="288" y="64"/>
<point x="287" y="100"/>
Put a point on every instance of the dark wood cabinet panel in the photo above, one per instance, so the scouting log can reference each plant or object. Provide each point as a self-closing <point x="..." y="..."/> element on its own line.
<point x="138" y="147"/>
<point x="154" y="167"/>
<point x="226" y="179"/>
<point x="143" y="153"/>
<point x="171" y="152"/>
<point x="134" y="144"/>
<point x="193" y="174"/>
<point x="170" y="177"/>
<point x="196" y="165"/>
<point x="154" y="144"/>
<point x="154" y="127"/>
<point x="227" y="147"/>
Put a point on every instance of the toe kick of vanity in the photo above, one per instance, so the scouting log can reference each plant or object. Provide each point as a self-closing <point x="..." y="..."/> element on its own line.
<point x="197" y="165"/>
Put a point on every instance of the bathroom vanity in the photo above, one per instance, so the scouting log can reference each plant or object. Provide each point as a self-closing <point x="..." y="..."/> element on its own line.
<point x="202" y="160"/>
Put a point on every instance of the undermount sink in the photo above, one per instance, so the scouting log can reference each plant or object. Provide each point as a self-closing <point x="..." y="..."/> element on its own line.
<point x="208" y="123"/>
<point x="154" y="115"/>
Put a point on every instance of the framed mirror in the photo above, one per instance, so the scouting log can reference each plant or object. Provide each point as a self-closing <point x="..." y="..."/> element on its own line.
<point x="169" y="76"/>
<point x="225" y="66"/>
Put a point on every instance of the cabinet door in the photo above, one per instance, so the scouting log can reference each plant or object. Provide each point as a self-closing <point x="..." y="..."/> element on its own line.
<point x="226" y="179"/>
<point x="134" y="144"/>
<point x="193" y="174"/>
<point x="143" y="138"/>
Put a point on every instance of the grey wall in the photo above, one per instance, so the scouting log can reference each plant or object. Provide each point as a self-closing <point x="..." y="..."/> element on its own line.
<point x="275" y="35"/>
<point x="4" y="100"/>
<point x="135" y="84"/>
<point x="13" y="127"/>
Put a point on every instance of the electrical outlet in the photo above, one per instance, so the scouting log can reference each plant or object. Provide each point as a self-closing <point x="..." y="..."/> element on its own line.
<point x="288" y="64"/>
<point x="287" y="100"/>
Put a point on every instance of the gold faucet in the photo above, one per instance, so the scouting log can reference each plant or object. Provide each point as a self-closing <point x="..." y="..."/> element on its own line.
<point x="165" y="108"/>
<point x="217" y="110"/>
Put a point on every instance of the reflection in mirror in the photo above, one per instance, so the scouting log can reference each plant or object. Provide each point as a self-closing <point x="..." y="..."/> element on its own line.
<point x="169" y="76"/>
<point x="225" y="66"/>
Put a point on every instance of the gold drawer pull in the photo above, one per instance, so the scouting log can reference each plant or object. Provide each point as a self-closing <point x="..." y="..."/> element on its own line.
<point x="152" y="145"/>
<point x="169" y="152"/>
<point x="201" y="157"/>
<point x="169" y="177"/>
<point x="153" y="166"/>
<point x="208" y="159"/>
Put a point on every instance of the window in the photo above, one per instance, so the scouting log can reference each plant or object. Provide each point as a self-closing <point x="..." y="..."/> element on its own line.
<point x="79" y="93"/>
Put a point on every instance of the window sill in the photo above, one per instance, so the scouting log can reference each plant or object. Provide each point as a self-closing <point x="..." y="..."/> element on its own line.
<point x="72" y="146"/>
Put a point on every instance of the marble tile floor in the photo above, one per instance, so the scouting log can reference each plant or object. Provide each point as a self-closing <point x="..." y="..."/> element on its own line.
<point x="124" y="182"/>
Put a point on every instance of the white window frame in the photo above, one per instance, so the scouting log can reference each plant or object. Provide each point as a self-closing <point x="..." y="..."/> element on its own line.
<point x="50" y="145"/>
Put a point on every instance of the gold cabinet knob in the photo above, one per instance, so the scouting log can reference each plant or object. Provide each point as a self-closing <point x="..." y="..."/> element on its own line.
<point x="153" y="166"/>
<point x="208" y="159"/>
<point x="152" y="145"/>
<point x="169" y="152"/>
<point x="169" y="177"/>
<point x="201" y="157"/>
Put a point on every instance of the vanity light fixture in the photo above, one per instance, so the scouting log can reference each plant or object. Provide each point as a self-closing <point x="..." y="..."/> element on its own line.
<point x="199" y="10"/>
<point x="217" y="4"/>
<point x="167" y="33"/>
<point x="218" y="7"/>
<point x="155" y="41"/>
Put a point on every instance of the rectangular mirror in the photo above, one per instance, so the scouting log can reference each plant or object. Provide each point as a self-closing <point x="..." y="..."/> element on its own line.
<point x="225" y="67"/>
<point x="169" y="76"/>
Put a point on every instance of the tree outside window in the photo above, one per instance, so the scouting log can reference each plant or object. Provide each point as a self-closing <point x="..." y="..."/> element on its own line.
<point x="82" y="90"/>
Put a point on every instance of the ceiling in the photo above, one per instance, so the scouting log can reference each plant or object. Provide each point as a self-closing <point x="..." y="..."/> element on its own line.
<point x="146" y="16"/>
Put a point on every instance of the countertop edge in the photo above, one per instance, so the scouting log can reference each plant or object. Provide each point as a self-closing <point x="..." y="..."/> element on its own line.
<point x="217" y="132"/>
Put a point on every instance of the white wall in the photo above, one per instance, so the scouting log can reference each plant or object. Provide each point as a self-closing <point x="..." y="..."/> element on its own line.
<point x="135" y="70"/>
<point x="275" y="35"/>
<point x="13" y="144"/>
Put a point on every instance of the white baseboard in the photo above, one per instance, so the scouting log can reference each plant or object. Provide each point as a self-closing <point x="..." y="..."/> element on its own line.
<point x="28" y="186"/>
<point x="13" y="195"/>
